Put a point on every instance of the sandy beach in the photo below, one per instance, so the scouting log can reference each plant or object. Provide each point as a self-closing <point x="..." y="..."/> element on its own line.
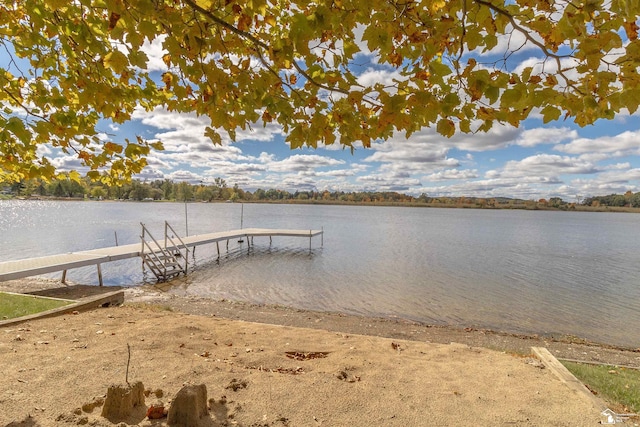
<point x="277" y="366"/>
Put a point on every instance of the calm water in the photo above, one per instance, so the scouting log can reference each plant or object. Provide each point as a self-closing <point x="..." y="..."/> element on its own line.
<point x="517" y="271"/>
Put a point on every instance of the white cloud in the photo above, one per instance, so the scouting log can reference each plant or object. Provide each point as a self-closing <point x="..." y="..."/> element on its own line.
<point x="628" y="140"/>
<point x="155" y="52"/>
<point x="452" y="174"/>
<point x="150" y="174"/>
<point x="185" y="175"/>
<point x="303" y="162"/>
<point x="382" y="182"/>
<point x="536" y="136"/>
<point x="386" y="77"/>
<point x="511" y="40"/>
<point x="499" y="136"/>
<point x="542" y="166"/>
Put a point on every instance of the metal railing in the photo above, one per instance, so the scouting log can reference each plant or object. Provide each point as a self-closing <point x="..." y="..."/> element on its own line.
<point x="180" y="247"/>
<point x="161" y="260"/>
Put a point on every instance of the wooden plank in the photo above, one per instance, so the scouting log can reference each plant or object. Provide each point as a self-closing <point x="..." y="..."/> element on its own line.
<point x="106" y="299"/>
<point x="563" y="374"/>
<point x="11" y="270"/>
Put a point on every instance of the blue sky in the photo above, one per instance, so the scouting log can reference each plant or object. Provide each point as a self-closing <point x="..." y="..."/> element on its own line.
<point x="531" y="162"/>
<point x="537" y="160"/>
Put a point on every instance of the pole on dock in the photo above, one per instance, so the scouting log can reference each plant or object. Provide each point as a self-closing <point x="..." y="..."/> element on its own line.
<point x="241" y="215"/>
<point x="186" y="217"/>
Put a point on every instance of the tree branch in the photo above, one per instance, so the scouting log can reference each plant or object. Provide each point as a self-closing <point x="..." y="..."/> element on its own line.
<point x="226" y="25"/>
<point x="533" y="41"/>
<point x="519" y="28"/>
<point x="24" y="107"/>
<point x="259" y="43"/>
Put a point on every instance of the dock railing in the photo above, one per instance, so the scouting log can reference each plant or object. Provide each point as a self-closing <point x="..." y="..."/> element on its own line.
<point x="180" y="247"/>
<point x="161" y="260"/>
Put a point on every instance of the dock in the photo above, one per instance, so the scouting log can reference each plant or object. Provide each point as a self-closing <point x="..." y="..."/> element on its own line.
<point x="11" y="270"/>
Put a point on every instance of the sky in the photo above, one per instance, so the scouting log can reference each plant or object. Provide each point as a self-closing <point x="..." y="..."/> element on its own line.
<point x="536" y="160"/>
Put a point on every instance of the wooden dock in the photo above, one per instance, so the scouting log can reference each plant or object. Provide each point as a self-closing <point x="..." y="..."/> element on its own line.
<point x="11" y="270"/>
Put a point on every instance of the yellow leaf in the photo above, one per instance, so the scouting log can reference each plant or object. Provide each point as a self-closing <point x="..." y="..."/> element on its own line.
<point x="74" y="176"/>
<point x="116" y="60"/>
<point x="167" y="79"/>
<point x="112" y="147"/>
<point x="446" y="127"/>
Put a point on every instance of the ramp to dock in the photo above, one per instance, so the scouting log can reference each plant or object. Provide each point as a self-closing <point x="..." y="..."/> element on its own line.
<point x="11" y="270"/>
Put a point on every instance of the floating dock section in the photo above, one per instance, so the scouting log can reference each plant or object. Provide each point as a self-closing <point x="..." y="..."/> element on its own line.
<point x="11" y="270"/>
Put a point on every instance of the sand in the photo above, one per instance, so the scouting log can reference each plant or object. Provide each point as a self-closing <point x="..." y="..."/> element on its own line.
<point x="53" y="366"/>
<point x="56" y="372"/>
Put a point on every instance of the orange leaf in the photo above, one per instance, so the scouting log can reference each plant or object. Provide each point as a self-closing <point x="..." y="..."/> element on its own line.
<point x="632" y="30"/>
<point x="113" y="20"/>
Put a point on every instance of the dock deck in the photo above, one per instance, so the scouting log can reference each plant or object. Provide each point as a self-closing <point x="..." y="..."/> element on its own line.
<point x="11" y="270"/>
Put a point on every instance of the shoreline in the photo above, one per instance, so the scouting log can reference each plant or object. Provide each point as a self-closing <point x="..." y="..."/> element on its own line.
<point x="434" y="205"/>
<point x="569" y="348"/>
<point x="563" y="347"/>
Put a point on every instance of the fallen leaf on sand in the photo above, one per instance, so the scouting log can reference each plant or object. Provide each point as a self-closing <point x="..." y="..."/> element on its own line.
<point x="306" y="355"/>
<point x="156" y="412"/>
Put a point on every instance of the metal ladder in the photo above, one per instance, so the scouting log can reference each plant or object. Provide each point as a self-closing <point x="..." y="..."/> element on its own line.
<point x="164" y="261"/>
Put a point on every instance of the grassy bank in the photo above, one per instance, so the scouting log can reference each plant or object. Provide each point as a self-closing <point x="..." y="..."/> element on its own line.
<point x="15" y="305"/>
<point x="614" y="384"/>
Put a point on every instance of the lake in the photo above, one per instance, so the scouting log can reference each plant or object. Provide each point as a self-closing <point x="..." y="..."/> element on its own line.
<point x="544" y="272"/>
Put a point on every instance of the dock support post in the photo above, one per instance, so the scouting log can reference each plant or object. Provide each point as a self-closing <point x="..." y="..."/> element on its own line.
<point x="218" y="246"/>
<point x="270" y="241"/>
<point x="227" y="245"/>
<point x="99" y="275"/>
<point x="310" y="236"/>
<point x="64" y="276"/>
<point x="322" y="237"/>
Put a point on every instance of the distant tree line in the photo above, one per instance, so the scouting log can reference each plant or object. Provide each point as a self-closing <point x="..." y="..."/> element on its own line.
<point x="219" y="190"/>
<point x="628" y="199"/>
<point x="169" y="190"/>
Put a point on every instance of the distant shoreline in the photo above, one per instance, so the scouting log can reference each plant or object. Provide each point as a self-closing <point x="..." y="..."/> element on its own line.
<point x="535" y="206"/>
